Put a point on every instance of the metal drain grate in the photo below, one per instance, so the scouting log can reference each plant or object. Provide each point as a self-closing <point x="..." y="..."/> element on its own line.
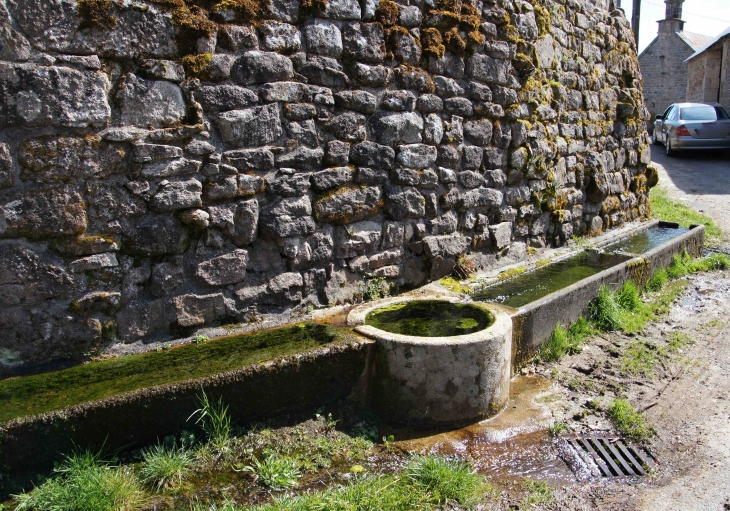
<point x="613" y="457"/>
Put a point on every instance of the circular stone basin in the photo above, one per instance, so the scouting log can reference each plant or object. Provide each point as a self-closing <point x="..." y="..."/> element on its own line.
<point x="430" y="318"/>
<point x="439" y="363"/>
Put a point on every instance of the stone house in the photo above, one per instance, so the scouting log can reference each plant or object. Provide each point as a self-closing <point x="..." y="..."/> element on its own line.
<point x="708" y="72"/>
<point x="663" y="62"/>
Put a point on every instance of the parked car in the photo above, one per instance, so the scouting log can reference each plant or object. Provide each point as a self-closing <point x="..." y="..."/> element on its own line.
<point x="685" y="126"/>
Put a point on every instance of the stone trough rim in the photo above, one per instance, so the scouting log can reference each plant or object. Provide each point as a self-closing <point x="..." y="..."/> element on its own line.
<point x="502" y="322"/>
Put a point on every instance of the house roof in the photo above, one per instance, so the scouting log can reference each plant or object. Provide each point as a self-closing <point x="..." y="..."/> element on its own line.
<point x="695" y="41"/>
<point x="709" y="44"/>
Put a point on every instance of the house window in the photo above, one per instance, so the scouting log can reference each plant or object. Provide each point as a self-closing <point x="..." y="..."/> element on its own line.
<point x="674" y="13"/>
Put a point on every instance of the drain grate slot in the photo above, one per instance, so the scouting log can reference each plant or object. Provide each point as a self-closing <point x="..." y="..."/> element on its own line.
<point x="613" y="457"/>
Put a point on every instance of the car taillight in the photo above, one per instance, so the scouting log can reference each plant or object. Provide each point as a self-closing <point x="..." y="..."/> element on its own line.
<point x="682" y="131"/>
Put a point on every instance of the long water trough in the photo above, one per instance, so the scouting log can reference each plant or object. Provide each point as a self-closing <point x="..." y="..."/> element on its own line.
<point x="455" y="374"/>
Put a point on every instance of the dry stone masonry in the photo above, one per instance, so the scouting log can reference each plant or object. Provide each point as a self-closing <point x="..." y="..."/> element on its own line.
<point x="171" y="164"/>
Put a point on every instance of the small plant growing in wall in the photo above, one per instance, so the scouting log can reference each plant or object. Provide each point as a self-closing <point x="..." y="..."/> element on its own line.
<point x="376" y="288"/>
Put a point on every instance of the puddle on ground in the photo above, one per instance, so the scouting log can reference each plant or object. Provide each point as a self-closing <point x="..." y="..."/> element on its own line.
<point x="512" y="445"/>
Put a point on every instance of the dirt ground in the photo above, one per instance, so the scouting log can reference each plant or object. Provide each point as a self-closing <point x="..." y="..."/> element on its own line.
<point x="686" y="396"/>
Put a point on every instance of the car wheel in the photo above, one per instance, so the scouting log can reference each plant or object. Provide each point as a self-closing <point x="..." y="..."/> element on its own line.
<point x="668" y="147"/>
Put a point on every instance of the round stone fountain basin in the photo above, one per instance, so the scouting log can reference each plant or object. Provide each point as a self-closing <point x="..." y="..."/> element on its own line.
<point x="440" y="363"/>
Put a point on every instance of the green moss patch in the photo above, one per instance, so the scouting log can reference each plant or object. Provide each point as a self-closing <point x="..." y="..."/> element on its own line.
<point x="55" y="390"/>
<point x="95" y="13"/>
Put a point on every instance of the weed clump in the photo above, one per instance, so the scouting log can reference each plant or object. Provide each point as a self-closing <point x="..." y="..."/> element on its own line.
<point x="629" y="422"/>
<point x="85" y="482"/>
<point x="276" y="472"/>
<point x="538" y="492"/>
<point x="556" y="428"/>
<point x="376" y="288"/>
<point x="639" y="359"/>
<point x="427" y="483"/>
<point x="683" y="265"/>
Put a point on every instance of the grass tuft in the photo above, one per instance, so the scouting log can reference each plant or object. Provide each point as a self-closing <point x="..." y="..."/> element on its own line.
<point x="163" y="465"/>
<point x="628" y="297"/>
<point x="213" y="417"/>
<point x="657" y="280"/>
<point x="629" y="422"/>
<point x="445" y="480"/>
<point x="538" y="492"/>
<point x="564" y="341"/>
<point x="639" y="359"/>
<point x="427" y="483"/>
<point x="605" y="310"/>
<point x="556" y="428"/>
<point x="85" y="482"/>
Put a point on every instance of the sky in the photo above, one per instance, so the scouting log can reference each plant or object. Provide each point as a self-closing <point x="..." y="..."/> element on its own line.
<point x="708" y="17"/>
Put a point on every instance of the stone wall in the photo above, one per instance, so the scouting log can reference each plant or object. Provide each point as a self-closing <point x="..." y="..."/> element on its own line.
<point x="725" y="76"/>
<point x="703" y="82"/>
<point x="166" y="165"/>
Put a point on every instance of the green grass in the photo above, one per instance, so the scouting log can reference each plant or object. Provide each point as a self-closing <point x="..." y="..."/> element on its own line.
<point x="605" y="311"/>
<point x="630" y="423"/>
<point x="683" y="265"/>
<point x="96" y="380"/>
<point x="666" y="209"/>
<point x="639" y="359"/>
<point x="445" y="480"/>
<point x="556" y="428"/>
<point x="677" y="341"/>
<point x="628" y="297"/>
<point x="215" y="420"/>
<point x="563" y="341"/>
<point x="537" y="492"/>
<point x="658" y="280"/>
<point x="427" y="483"/>
<point x="84" y="482"/>
<point x="164" y="465"/>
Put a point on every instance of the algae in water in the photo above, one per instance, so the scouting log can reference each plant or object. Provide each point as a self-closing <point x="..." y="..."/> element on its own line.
<point x="45" y="392"/>
<point x="430" y="318"/>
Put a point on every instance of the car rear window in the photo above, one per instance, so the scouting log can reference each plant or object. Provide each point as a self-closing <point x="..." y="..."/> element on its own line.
<point x="698" y="113"/>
